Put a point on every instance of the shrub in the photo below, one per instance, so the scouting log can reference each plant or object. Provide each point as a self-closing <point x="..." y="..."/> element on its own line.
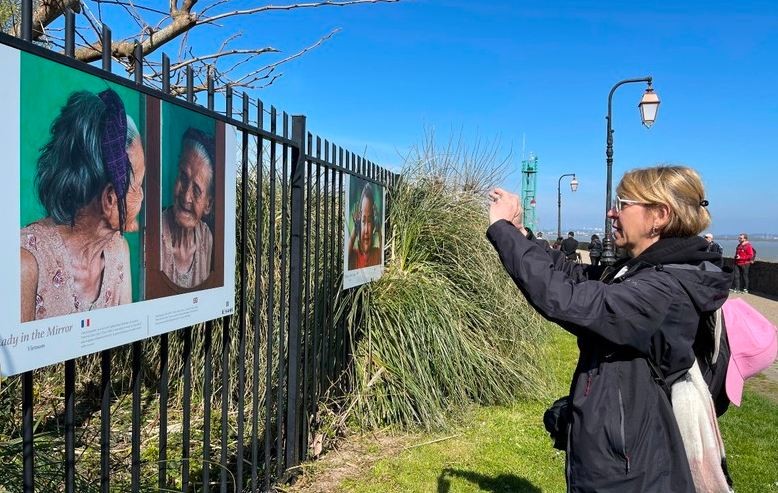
<point x="444" y="326"/>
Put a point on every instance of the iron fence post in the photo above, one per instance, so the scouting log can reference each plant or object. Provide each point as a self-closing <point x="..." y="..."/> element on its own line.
<point x="297" y="204"/>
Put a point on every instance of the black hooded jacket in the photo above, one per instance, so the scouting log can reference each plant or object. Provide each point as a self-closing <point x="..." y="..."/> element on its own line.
<point x="623" y="436"/>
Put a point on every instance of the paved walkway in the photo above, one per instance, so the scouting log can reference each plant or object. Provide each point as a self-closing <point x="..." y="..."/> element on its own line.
<point x="767" y="305"/>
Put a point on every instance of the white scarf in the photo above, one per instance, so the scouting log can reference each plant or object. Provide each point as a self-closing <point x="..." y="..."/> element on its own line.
<point x="696" y="417"/>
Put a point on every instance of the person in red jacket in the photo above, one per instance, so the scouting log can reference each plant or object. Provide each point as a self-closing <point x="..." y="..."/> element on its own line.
<point x="744" y="257"/>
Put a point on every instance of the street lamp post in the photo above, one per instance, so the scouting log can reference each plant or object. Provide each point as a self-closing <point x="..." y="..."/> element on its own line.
<point x="573" y="187"/>
<point x="648" y="106"/>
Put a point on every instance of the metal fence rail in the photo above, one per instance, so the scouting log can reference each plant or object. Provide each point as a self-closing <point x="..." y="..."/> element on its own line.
<point x="190" y="391"/>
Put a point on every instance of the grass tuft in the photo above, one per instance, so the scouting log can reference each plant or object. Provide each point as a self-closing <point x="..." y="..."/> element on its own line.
<point x="444" y="326"/>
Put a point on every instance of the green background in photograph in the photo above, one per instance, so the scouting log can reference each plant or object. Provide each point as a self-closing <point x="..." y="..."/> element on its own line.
<point x="175" y="121"/>
<point x="45" y="88"/>
<point x="355" y="192"/>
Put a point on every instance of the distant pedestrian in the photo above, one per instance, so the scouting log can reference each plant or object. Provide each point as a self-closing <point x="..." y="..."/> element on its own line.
<point x="712" y="245"/>
<point x="558" y="243"/>
<point x="569" y="246"/>
<point x="744" y="257"/>
<point x="595" y="250"/>
<point x="544" y="242"/>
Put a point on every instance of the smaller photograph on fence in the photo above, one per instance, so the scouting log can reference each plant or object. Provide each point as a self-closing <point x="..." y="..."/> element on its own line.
<point x="186" y="226"/>
<point x="364" y="235"/>
<point x="95" y="167"/>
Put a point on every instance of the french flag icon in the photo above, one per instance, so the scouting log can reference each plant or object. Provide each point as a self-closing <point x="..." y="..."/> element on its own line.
<point x="84" y="323"/>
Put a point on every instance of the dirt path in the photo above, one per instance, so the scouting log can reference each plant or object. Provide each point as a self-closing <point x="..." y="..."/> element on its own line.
<point x="353" y="456"/>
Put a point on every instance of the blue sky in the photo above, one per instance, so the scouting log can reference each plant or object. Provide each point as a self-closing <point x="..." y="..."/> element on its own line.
<point x="501" y="70"/>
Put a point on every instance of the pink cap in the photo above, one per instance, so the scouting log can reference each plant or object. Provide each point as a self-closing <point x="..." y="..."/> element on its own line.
<point x="753" y="344"/>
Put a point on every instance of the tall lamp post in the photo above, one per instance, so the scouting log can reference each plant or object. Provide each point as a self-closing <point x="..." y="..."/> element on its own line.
<point x="648" y="106"/>
<point x="573" y="187"/>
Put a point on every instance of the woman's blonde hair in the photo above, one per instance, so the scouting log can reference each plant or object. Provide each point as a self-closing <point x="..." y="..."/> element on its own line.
<point x="678" y="187"/>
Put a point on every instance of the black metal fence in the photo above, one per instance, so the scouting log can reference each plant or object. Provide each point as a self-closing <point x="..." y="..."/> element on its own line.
<point x="232" y="404"/>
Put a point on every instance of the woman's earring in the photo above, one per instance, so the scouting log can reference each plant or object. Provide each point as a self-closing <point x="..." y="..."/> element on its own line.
<point x="654" y="232"/>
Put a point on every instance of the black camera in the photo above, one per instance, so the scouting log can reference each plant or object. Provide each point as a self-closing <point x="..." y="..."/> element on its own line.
<point x="556" y="419"/>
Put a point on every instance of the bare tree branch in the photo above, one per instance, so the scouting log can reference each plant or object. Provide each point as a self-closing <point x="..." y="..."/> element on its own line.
<point x="270" y="83"/>
<point x="237" y="65"/>
<point x="246" y="81"/>
<point x="45" y="14"/>
<point x="157" y="27"/>
<point x="180" y="90"/>
<point x="182" y="47"/>
<point x="213" y="5"/>
<point x="135" y="15"/>
<point x="260" y="51"/>
<point x="272" y="66"/>
<point x="182" y="22"/>
<point x="266" y="8"/>
<point x="229" y="40"/>
<point x="188" y="4"/>
<point x="137" y="7"/>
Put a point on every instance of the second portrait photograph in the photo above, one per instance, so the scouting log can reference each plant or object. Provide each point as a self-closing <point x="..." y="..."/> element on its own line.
<point x="187" y="219"/>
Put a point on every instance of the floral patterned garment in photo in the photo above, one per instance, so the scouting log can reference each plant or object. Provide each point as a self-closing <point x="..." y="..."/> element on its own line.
<point x="55" y="293"/>
<point x="200" y="268"/>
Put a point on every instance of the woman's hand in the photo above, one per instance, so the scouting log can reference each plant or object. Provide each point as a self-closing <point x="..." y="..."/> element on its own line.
<point x="505" y="205"/>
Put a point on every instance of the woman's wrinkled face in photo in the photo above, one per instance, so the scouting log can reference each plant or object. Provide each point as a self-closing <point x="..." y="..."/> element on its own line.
<point x="192" y="189"/>
<point x="135" y="191"/>
<point x="367" y="226"/>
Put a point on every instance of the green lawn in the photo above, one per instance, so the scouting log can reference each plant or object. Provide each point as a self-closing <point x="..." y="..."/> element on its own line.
<point x="751" y="440"/>
<point x="506" y="449"/>
<point x="503" y="449"/>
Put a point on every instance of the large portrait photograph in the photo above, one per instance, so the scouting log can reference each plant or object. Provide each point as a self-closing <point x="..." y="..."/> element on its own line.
<point x="82" y="171"/>
<point x="114" y="205"/>
<point x="364" y="232"/>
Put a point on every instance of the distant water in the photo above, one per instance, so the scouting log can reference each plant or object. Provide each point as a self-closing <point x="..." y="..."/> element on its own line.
<point x="765" y="249"/>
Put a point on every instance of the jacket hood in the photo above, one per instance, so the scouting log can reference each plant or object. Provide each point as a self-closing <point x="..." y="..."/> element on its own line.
<point x="697" y="270"/>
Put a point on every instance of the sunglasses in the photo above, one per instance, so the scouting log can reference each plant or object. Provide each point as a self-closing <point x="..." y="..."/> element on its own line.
<point x="618" y="203"/>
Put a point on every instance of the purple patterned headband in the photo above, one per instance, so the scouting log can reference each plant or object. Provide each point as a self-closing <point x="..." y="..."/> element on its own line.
<point x="113" y="142"/>
<point x="113" y="146"/>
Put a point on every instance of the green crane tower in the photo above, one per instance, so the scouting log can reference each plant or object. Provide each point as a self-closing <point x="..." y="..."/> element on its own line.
<point x="529" y="174"/>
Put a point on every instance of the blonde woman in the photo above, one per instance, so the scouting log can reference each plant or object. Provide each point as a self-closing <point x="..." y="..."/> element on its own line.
<point x="622" y="434"/>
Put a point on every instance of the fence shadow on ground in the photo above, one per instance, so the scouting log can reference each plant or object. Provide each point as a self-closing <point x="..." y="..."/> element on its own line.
<point x="502" y="483"/>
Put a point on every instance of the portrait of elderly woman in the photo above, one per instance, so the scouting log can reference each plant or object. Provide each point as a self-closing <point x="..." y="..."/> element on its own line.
<point x="364" y="246"/>
<point x="89" y="179"/>
<point x="187" y="240"/>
